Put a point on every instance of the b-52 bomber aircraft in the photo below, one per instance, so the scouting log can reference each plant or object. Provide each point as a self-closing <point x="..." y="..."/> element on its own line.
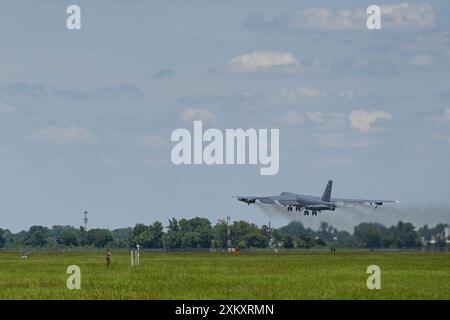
<point x="312" y="204"/>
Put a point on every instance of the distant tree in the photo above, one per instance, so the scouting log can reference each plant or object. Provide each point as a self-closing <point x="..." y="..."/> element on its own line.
<point x="424" y="232"/>
<point x="83" y="234"/>
<point x="305" y="241"/>
<point x="196" y="233"/>
<point x="319" y="242"/>
<point x="326" y="232"/>
<point x="427" y="233"/>
<point x="56" y="232"/>
<point x="69" y="236"/>
<point x="371" y="235"/>
<point x="343" y="238"/>
<point x="138" y="231"/>
<point x="288" y="242"/>
<point x="189" y="233"/>
<point x="123" y="237"/>
<point x="403" y="235"/>
<point x="172" y="238"/>
<point x="220" y="234"/>
<point x="173" y="225"/>
<point x="277" y="238"/>
<point x="37" y="236"/>
<point x="152" y="237"/>
<point x="99" y="237"/>
<point x="294" y="228"/>
<point x="18" y="239"/>
<point x="256" y="239"/>
<point x="190" y="239"/>
<point x="245" y="234"/>
<point x="199" y="233"/>
<point x="2" y="239"/>
<point x="266" y="232"/>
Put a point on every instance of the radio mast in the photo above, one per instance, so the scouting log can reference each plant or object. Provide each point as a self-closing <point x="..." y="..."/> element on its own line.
<point x="85" y="220"/>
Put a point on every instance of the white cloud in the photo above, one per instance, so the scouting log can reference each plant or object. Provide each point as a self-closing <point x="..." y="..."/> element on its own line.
<point x="326" y="19"/>
<point x="64" y="135"/>
<point x="407" y="16"/>
<point x="299" y="94"/>
<point x="294" y="96"/>
<point x="437" y="42"/>
<point x="441" y="137"/>
<point x="421" y="60"/>
<point x="5" y="108"/>
<point x="339" y="140"/>
<point x="317" y="117"/>
<point x="112" y="92"/>
<point x="192" y="114"/>
<point x="363" y="120"/>
<point x="261" y="60"/>
<point x="446" y="116"/>
<point x="444" y="119"/>
<point x="329" y="121"/>
<point x="400" y="16"/>
<point x="346" y="94"/>
<point x="290" y="118"/>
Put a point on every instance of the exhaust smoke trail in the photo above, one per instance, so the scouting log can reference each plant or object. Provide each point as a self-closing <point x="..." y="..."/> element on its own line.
<point x="274" y="210"/>
<point x="347" y="218"/>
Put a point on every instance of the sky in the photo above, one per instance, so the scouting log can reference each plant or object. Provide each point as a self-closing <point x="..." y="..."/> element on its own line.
<point x="86" y="115"/>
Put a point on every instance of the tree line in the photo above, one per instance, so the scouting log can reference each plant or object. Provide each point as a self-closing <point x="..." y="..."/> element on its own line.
<point x="200" y="233"/>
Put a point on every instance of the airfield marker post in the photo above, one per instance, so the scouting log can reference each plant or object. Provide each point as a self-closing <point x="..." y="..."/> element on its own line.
<point x="135" y="256"/>
<point x="137" y="253"/>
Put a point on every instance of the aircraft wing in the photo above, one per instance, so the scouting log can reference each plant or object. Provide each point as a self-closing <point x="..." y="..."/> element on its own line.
<point x="354" y="202"/>
<point x="249" y="200"/>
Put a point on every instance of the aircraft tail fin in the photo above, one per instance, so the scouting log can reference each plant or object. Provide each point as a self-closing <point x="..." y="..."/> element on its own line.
<point x="327" y="193"/>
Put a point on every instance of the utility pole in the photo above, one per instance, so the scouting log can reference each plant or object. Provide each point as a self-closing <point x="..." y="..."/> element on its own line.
<point x="85" y="220"/>
<point x="228" y="233"/>
<point x="271" y="239"/>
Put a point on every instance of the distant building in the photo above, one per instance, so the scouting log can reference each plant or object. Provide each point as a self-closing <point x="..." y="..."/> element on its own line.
<point x="433" y="239"/>
<point x="444" y="236"/>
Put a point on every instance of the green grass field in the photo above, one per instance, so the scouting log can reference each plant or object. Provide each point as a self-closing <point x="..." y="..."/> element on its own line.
<point x="300" y="275"/>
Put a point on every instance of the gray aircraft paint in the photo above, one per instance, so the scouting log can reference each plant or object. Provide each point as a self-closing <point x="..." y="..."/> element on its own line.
<point x="312" y="203"/>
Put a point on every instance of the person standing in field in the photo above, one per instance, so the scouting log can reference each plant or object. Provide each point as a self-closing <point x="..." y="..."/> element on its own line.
<point x="108" y="257"/>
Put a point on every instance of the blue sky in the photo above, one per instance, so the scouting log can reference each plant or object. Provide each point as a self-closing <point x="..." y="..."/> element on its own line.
<point x="86" y="116"/>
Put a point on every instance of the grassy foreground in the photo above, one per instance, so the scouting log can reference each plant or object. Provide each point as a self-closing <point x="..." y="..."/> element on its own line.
<point x="304" y="275"/>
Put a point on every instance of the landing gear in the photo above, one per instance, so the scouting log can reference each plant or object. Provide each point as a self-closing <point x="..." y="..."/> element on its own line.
<point x="313" y="213"/>
<point x="289" y="208"/>
<point x="298" y="209"/>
